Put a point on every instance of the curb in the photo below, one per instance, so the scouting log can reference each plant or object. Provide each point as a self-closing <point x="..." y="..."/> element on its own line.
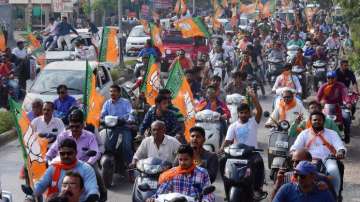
<point x="7" y="136"/>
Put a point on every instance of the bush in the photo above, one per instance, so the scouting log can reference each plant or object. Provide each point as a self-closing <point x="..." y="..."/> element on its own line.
<point x="6" y="121"/>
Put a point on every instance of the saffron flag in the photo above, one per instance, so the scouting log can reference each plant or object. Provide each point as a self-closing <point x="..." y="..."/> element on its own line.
<point x="109" y="47"/>
<point x="180" y="7"/>
<point x="266" y="7"/>
<point x="33" y="147"/>
<point x="2" y="41"/>
<point x="155" y="33"/>
<point x="247" y="6"/>
<point x="93" y="100"/>
<point x="191" y="27"/>
<point x="151" y="83"/>
<point x="182" y="96"/>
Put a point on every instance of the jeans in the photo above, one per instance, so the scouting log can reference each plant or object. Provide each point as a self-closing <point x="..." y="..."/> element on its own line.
<point x="127" y="140"/>
<point x="67" y="39"/>
<point x="333" y="170"/>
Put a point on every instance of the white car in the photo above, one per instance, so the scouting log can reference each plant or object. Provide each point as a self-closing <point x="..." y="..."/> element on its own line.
<point x="136" y="40"/>
<point x="70" y="73"/>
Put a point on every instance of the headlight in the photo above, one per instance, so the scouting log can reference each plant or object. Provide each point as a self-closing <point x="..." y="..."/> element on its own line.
<point x="111" y="121"/>
<point x="284" y="125"/>
<point x="152" y="169"/>
<point x="167" y="51"/>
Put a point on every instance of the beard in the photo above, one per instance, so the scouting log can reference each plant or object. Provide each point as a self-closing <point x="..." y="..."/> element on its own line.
<point x="318" y="128"/>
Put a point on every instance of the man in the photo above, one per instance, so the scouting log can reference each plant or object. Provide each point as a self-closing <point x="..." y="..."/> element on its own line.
<point x="287" y="79"/>
<point x="23" y="65"/>
<point x="84" y="53"/>
<point x="277" y="52"/>
<point x="54" y="175"/>
<point x="244" y="131"/>
<point x="179" y="116"/>
<point x="218" y="54"/>
<point x="300" y="124"/>
<point x="185" y="62"/>
<point x="202" y="158"/>
<point x="305" y="189"/>
<point x="161" y="112"/>
<point x="50" y="32"/>
<point x="238" y="84"/>
<point x="187" y="178"/>
<point x="194" y="82"/>
<point x="85" y="140"/>
<point x="347" y="76"/>
<point x="322" y="143"/>
<point x="287" y="108"/>
<point x="63" y="33"/>
<point x="244" y="42"/>
<point x="148" y="50"/>
<point x="332" y="92"/>
<point x="47" y="123"/>
<point x="296" y="40"/>
<point x="63" y="103"/>
<point x="72" y="186"/>
<point x="92" y="28"/>
<point x="333" y="42"/>
<point x="36" y="109"/>
<point x="158" y="145"/>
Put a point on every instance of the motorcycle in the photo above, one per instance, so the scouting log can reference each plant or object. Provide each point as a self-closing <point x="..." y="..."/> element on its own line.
<point x="210" y="121"/>
<point x="274" y="69"/>
<point x="239" y="174"/>
<point x="335" y="112"/>
<point x="300" y="72"/>
<point x="220" y="69"/>
<point x="333" y="55"/>
<point x="146" y="183"/>
<point x="319" y="74"/>
<point x="177" y="197"/>
<point x="233" y="102"/>
<point x="111" y="161"/>
<point x="291" y="52"/>
<point x="279" y="145"/>
<point x="5" y="196"/>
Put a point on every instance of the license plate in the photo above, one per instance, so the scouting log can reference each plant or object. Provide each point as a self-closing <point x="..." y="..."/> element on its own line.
<point x="152" y="183"/>
<point x="282" y="144"/>
<point x="320" y="69"/>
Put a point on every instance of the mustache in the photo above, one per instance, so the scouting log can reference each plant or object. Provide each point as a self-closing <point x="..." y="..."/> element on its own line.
<point x="67" y="193"/>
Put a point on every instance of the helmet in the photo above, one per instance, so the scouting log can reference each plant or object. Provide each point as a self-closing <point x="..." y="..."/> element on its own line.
<point x="331" y="74"/>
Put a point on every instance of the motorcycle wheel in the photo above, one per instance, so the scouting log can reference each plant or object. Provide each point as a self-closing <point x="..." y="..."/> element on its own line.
<point x="107" y="172"/>
<point x="239" y="194"/>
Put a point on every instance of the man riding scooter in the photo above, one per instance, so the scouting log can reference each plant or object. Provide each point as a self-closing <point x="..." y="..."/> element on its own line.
<point x="324" y="145"/>
<point x="287" y="79"/>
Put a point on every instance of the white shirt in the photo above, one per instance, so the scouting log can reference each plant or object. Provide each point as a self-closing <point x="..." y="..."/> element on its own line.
<point x="294" y="83"/>
<point x="55" y="126"/>
<point x="318" y="149"/>
<point x="291" y="114"/>
<point x="245" y="133"/>
<point x="51" y="28"/>
<point x="332" y="43"/>
<point x="166" y="151"/>
<point x="19" y="53"/>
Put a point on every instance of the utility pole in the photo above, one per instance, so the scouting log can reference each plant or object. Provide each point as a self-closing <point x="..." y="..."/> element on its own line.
<point x="120" y="14"/>
<point x="194" y="9"/>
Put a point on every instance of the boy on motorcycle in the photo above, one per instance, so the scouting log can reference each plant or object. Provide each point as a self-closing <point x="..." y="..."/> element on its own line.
<point x="245" y="131"/>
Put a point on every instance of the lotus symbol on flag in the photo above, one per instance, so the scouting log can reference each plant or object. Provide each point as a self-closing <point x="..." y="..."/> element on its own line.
<point x="155" y="81"/>
<point x="190" y="111"/>
<point x="185" y="26"/>
<point x="157" y="39"/>
<point x="32" y="146"/>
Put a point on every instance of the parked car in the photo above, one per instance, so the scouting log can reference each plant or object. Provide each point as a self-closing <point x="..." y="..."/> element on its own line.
<point x="70" y="73"/>
<point x="136" y="40"/>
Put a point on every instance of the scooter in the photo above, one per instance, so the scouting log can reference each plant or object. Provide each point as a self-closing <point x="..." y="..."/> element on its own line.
<point x="146" y="183"/>
<point x="177" y="197"/>
<point x="239" y="174"/>
<point x="274" y="69"/>
<point x="210" y="121"/>
<point x="279" y="145"/>
<point x="319" y="74"/>
<point x="334" y="112"/>
<point x="300" y="72"/>
<point x="233" y="102"/>
<point x="5" y="196"/>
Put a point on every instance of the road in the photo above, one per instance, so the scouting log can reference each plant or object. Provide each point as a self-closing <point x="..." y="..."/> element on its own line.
<point x="10" y="158"/>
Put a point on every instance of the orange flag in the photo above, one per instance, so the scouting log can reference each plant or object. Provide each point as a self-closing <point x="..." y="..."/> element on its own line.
<point x="2" y="41"/>
<point x="182" y="97"/>
<point x="191" y="27"/>
<point x="33" y="148"/>
<point x="151" y="83"/>
<point x="180" y="7"/>
<point x="109" y="47"/>
<point x="155" y="32"/>
<point x="93" y="100"/>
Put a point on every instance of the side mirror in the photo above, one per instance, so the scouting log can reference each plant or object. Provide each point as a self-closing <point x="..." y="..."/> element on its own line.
<point x="209" y="189"/>
<point x="266" y="114"/>
<point x="91" y="153"/>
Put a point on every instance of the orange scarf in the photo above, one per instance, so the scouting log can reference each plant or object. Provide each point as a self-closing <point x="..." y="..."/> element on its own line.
<point x="328" y="88"/>
<point x="286" y="78"/>
<point x="308" y="124"/>
<point x="53" y="189"/>
<point x="174" y="172"/>
<point x="283" y="108"/>
<point x="299" y="61"/>
<point x="324" y="141"/>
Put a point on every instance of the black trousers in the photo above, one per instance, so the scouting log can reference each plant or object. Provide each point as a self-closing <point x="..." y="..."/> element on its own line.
<point x="257" y="168"/>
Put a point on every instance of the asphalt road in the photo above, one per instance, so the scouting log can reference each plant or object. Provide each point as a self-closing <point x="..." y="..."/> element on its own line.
<point x="11" y="162"/>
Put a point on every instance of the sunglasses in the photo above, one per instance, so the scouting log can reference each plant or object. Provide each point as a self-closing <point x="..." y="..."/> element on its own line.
<point x="287" y="97"/>
<point x="298" y="176"/>
<point x="66" y="153"/>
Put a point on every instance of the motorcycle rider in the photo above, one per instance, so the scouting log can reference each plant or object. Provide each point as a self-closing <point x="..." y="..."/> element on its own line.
<point x="55" y="173"/>
<point x="277" y="52"/>
<point x="218" y="54"/>
<point x="202" y="158"/>
<point x="187" y="178"/>
<point x="216" y="82"/>
<point x="245" y="131"/>
<point x="161" y="112"/>
<point x="287" y="79"/>
<point x="238" y="84"/>
<point x="332" y="42"/>
<point x="229" y="47"/>
<point x="50" y="32"/>
<point x="185" y="62"/>
<point x="158" y="145"/>
<point x="63" y="103"/>
<point x="305" y="189"/>
<point x="63" y="33"/>
<point x="287" y="108"/>
<point x="296" y="40"/>
<point x="300" y="124"/>
<point x="122" y="109"/>
<point x="299" y="59"/>
<point x="148" y="50"/>
<point x="320" y="54"/>
<point x="72" y="186"/>
<point x="244" y="42"/>
<point x="322" y="143"/>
